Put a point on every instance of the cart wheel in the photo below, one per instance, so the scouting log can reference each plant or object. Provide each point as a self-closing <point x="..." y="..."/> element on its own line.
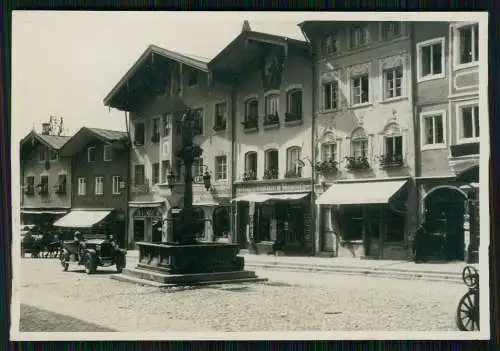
<point x="467" y="318"/>
<point x="469" y="276"/>
<point x="90" y="264"/>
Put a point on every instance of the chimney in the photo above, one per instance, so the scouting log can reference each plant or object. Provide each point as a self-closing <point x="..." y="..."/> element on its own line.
<point x="45" y="128"/>
<point x="246" y="26"/>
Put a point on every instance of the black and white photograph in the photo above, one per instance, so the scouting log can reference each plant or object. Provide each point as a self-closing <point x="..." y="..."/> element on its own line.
<point x="250" y="175"/>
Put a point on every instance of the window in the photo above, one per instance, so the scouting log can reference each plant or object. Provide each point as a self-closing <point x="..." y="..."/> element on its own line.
<point x="293" y="167"/>
<point x="359" y="36"/>
<point x="99" y="185"/>
<point x="192" y="77"/>
<point x="198" y="168"/>
<point x="272" y="165"/>
<point x="431" y="59"/>
<point x="42" y="154"/>
<point x="30" y="183"/>
<point x="61" y="182"/>
<point x="139" y="175"/>
<point x="155" y="171"/>
<point x="251" y="109"/>
<point x="251" y="165"/>
<point x="468" y="41"/>
<point x="221" y="167"/>
<point x="155" y="130"/>
<point x="433" y="129"/>
<point x="331" y="96"/>
<point x="82" y="186"/>
<point x="390" y="30"/>
<point x="394" y="146"/>
<point x="139" y="133"/>
<point x="294" y="102"/>
<point x="329" y="152"/>
<point x="330" y="45"/>
<point x="198" y="121"/>
<point x="220" y="114"/>
<point x="108" y="153"/>
<point x="393" y="82"/>
<point x="469" y="124"/>
<point x="53" y="155"/>
<point x="165" y="169"/>
<point x="166" y="124"/>
<point x="116" y="184"/>
<point x="359" y="148"/>
<point x="272" y="106"/>
<point x="360" y="90"/>
<point x="44" y="184"/>
<point x="91" y="154"/>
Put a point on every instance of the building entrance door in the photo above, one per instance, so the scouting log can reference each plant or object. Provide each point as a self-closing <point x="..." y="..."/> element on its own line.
<point x="139" y="230"/>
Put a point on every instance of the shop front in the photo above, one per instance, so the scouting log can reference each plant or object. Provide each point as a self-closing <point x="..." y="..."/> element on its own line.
<point x="274" y="223"/>
<point x="146" y="222"/>
<point x="369" y="219"/>
<point x="40" y="217"/>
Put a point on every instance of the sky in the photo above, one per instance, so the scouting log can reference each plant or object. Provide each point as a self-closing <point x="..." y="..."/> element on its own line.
<point x="65" y="63"/>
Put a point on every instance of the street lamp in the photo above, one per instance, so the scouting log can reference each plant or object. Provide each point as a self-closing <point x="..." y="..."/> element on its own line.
<point x="207" y="179"/>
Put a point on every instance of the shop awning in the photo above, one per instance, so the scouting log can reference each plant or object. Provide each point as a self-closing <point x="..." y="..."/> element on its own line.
<point x="268" y="197"/>
<point x="81" y="218"/>
<point x="357" y="193"/>
<point x="42" y="211"/>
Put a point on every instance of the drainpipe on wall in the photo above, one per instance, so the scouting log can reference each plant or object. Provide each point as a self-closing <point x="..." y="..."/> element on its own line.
<point x="129" y="145"/>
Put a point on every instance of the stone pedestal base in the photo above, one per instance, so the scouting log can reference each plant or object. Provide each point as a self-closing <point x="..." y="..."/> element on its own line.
<point x="193" y="264"/>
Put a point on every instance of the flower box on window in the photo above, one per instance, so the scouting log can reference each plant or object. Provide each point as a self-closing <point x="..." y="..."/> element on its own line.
<point x="42" y="189"/>
<point x="326" y="167"/>
<point x="29" y="189"/>
<point x="251" y="123"/>
<point x="293" y="173"/>
<point x="292" y="118"/>
<point x="155" y="138"/>
<point x="59" y="188"/>
<point x="271" y="120"/>
<point x="357" y="163"/>
<point x="271" y="174"/>
<point x="249" y="175"/>
<point x="220" y="126"/>
<point x="391" y="160"/>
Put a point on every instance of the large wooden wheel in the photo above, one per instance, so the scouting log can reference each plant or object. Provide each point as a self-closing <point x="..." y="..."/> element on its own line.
<point x="470" y="276"/>
<point x="467" y="318"/>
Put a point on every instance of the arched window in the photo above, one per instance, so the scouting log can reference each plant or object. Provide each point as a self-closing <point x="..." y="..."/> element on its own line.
<point x="393" y="146"/>
<point x="294" y="105"/>
<point x="250" y="166"/>
<point x="251" y="113"/>
<point x="293" y="167"/>
<point x="359" y="144"/>
<point x="272" y="164"/>
<point x="272" y="109"/>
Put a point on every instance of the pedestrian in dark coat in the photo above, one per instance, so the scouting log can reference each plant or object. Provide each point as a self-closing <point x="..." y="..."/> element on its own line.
<point x="419" y="243"/>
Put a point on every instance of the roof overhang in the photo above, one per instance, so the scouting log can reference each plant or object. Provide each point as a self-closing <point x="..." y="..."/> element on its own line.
<point x="33" y="136"/>
<point x="152" y="64"/>
<point x="242" y="51"/>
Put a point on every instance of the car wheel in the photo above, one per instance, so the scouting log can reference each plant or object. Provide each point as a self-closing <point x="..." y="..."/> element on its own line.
<point x="90" y="264"/>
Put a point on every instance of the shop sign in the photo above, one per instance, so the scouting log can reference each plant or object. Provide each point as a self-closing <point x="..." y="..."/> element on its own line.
<point x="148" y="212"/>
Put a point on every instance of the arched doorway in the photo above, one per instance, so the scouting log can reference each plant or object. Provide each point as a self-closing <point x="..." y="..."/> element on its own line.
<point x="221" y="223"/>
<point x="444" y="213"/>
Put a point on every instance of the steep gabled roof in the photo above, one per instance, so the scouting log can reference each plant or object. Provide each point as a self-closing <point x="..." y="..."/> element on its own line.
<point x="85" y="135"/>
<point x="55" y="142"/>
<point x="154" y="49"/>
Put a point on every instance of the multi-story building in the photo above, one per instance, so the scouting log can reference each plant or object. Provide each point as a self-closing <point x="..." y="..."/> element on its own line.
<point x="99" y="164"/>
<point x="272" y="90"/>
<point x="154" y="92"/>
<point x="45" y="176"/>
<point x="447" y="110"/>
<point x="363" y="137"/>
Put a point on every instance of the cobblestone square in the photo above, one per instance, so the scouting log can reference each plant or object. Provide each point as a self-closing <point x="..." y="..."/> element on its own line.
<point x="289" y="301"/>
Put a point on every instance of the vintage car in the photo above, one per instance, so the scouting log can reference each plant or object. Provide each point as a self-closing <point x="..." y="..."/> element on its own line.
<point x="92" y="252"/>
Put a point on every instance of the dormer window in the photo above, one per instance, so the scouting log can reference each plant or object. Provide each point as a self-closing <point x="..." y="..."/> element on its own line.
<point x="91" y="154"/>
<point x="358" y="36"/>
<point x="42" y="154"/>
<point x="330" y="44"/>
<point x="192" y="77"/>
<point x="108" y="153"/>
<point x="390" y="30"/>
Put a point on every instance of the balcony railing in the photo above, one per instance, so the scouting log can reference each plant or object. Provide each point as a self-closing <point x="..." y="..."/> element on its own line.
<point x="391" y="160"/>
<point x="293" y="118"/>
<point x="271" y="174"/>
<point x="327" y="167"/>
<point x="271" y="121"/>
<point x="250" y="175"/>
<point x="220" y="126"/>
<point x="357" y="163"/>
<point x="251" y="122"/>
